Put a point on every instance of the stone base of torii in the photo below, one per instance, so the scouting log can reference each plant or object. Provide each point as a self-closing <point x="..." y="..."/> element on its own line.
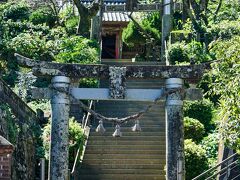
<point x="61" y="92"/>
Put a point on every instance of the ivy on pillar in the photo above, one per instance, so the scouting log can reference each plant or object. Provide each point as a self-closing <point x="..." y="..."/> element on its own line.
<point x="58" y="163"/>
<point x="174" y="130"/>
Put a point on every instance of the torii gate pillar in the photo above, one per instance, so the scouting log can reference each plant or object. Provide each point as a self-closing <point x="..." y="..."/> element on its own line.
<point x="58" y="162"/>
<point x="175" y="167"/>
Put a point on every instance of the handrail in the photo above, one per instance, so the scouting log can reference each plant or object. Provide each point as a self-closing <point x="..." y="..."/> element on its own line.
<point x="88" y="115"/>
<point x="213" y="168"/>
<point x="86" y="132"/>
<point x="224" y="169"/>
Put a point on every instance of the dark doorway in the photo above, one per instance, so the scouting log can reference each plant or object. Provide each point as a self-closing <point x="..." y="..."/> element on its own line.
<point x="109" y="47"/>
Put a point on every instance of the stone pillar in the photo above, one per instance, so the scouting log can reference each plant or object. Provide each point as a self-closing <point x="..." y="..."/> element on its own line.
<point x="175" y="166"/>
<point x="58" y="162"/>
<point x="166" y="25"/>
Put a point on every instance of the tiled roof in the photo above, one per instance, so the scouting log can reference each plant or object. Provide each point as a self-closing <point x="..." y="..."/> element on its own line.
<point x="112" y="16"/>
<point x="5" y="143"/>
<point x="115" y="17"/>
<point x="107" y="1"/>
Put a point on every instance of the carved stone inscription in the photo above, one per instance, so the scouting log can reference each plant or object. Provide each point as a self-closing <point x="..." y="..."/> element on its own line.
<point x="117" y="82"/>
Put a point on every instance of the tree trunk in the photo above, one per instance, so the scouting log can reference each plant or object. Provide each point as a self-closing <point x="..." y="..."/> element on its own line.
<point x="86" y="14"/>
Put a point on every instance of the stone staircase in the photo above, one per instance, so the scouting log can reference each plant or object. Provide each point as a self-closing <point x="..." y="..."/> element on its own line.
<point x="135" y="155"/>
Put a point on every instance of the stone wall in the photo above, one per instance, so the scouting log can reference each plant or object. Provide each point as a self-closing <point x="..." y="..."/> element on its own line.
<point x="27" y="125"/>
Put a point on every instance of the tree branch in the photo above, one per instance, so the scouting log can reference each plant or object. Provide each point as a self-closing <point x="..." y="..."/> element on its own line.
<point x="217" y="10"/>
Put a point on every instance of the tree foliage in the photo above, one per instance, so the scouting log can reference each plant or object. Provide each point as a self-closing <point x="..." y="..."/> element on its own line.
<point x="226" y="84"/>
<point x="186" y="52"/>
<point x="193" y="129"/>
<point x="195" y="159"/>
<point x="77" y="49"/>
<point x="202" y="111"/>
<point x="17" y="12"/>
<point x="76" y="138"/>
<point x="43" y="15"/>
<point x="150" y="25"/>
<point x="38" y="35"/>
<point x="210" y="145"/>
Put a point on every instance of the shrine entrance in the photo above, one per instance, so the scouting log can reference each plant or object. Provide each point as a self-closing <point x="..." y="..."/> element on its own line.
<point x="109" y="46"/>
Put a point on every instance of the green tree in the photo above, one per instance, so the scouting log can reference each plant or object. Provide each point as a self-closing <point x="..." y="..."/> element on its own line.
<point x="193" y="129"/>
<point x="195" y="159"/>
<point x="77" y="49"/>
<point x="202" y="111"/>
<point x="76" y="138"/>
<point x="226" y="84"/>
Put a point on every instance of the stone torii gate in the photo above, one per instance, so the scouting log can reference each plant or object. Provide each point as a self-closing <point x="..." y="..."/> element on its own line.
<point x="61" y="92"/>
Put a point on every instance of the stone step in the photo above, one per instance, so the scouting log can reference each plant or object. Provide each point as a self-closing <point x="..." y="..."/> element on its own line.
<point x="122" y="177"/>
<point x="128" y="138"/>
<point x="125" y="166"/>
<point x="135" y="155"/>
<point x="130" y="133"/>
<point x="127" y="147"/>
<point x="124" y="161"/>
<point x="126" y="142"/>
<point x="123" y="156"/>
<point x="154" y="128"/>
<point x="120" y="171"/>
<point x="143" y="123"/>
<point x="125" y="152"/>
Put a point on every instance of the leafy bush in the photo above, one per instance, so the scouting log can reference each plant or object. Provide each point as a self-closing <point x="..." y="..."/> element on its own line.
<point x="76" y="49"/>
<point x="3" y="6"/>
<point x="16" y="12"/>
<point x="182" y="52"/>
<point x="180" y="35"/>
<point x="210" y="144"/>
<point x="205" y="84"/>
<point x="71" y="24"/>
<point x="230" y="10"/>
<point x="225" y="29"/>
<point x="88" y="83"/>
<point x="202" y="111"/>
<point x="196" y="51"/>
<point x="76" y="138"/>
<point x="33" y="45"/>
<point x="195" y="159"/>
<point x="132" y="36"/>
<point x="11" y="29"/>
<point x="178" y="53"/>
<point x="43" y="15"/>
<point x="193" y="129"/>
<point x="151" y="25"/>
